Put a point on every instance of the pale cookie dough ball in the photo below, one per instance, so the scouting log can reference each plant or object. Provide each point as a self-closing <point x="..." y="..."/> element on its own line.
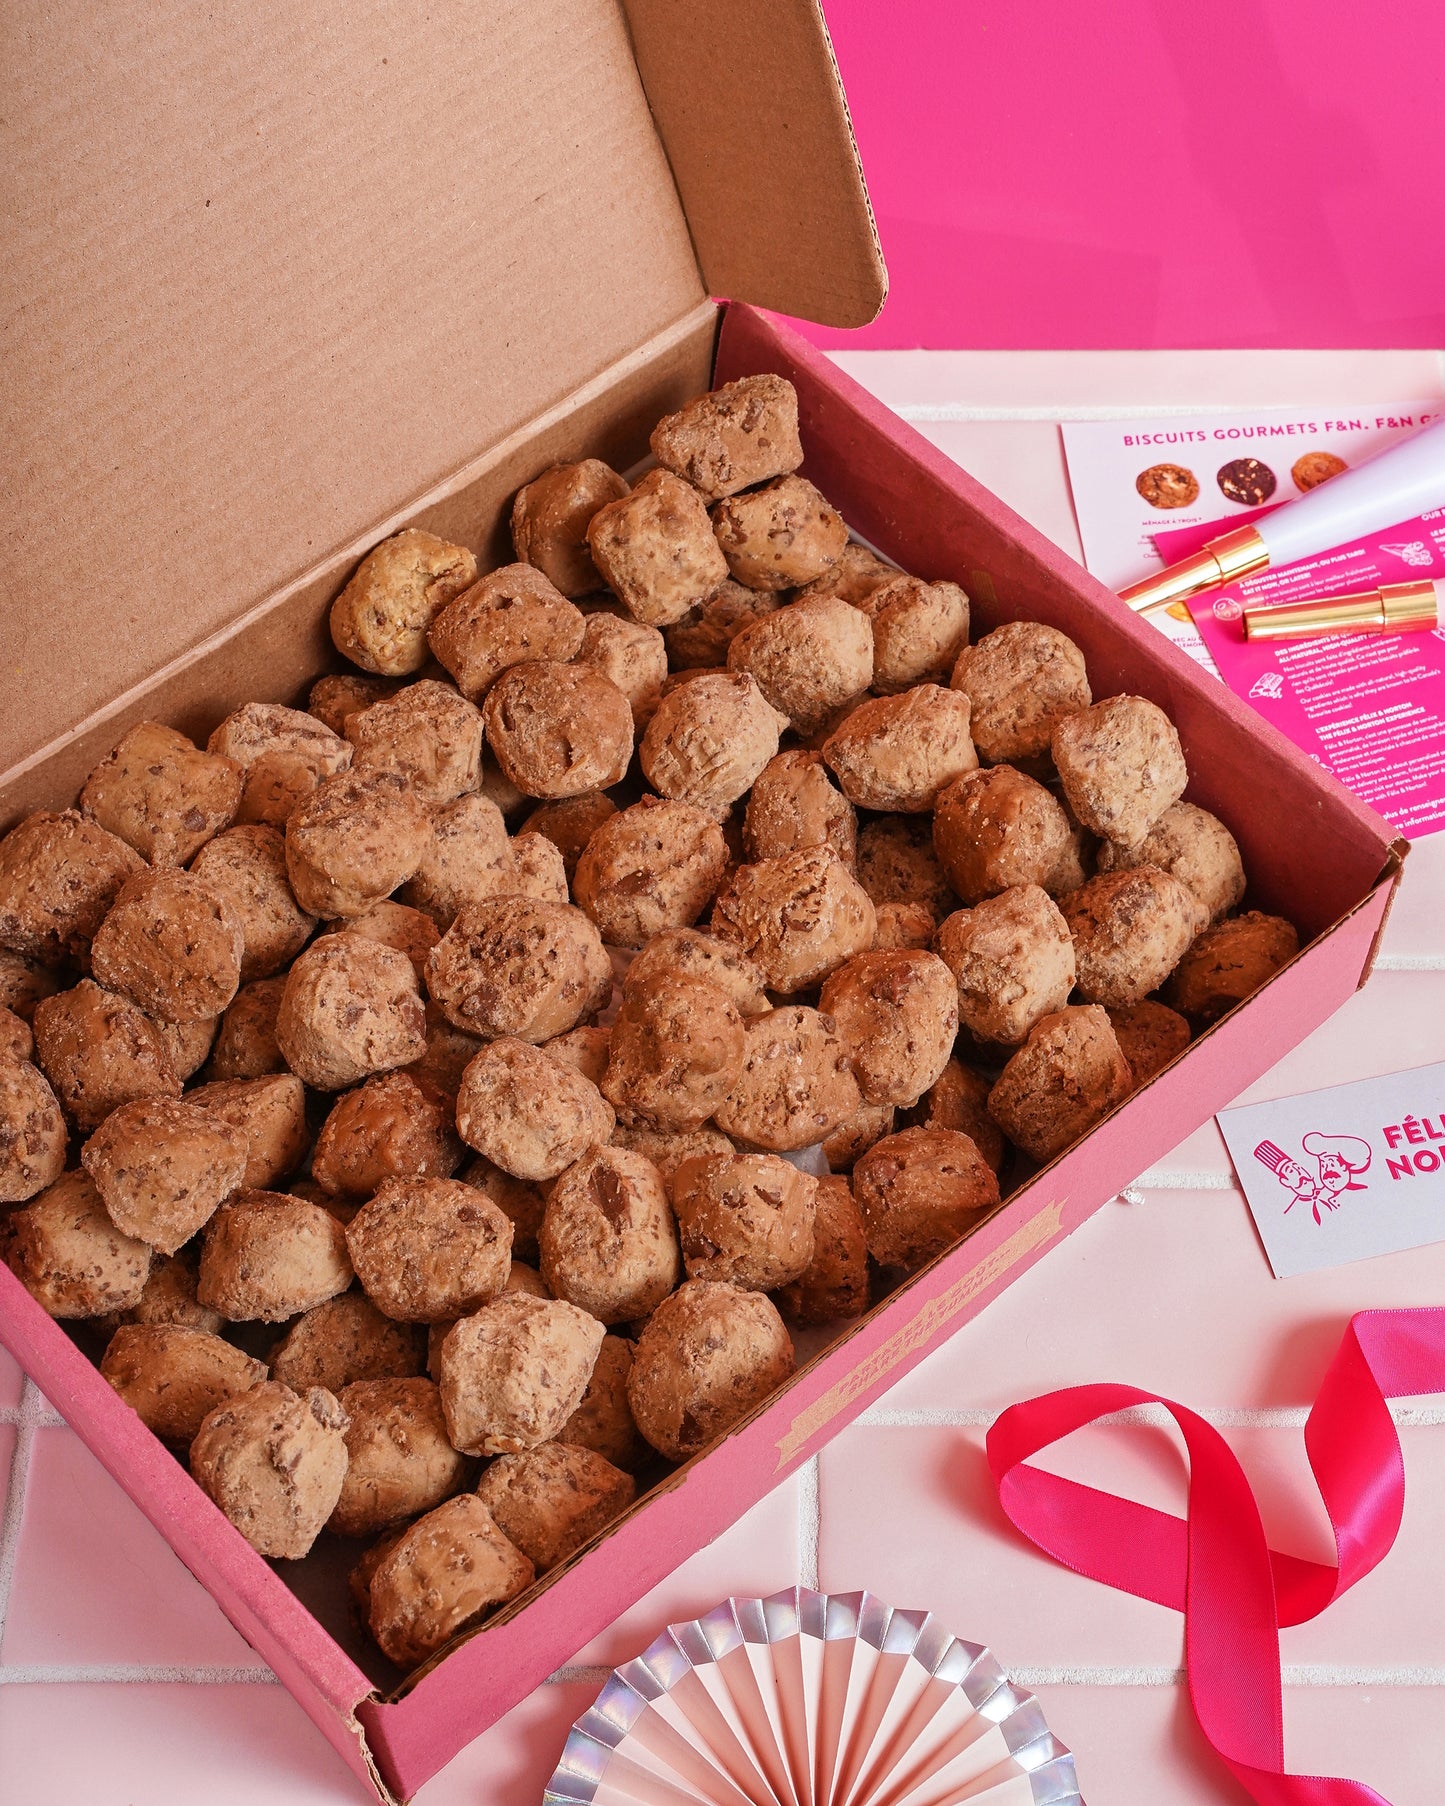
<point x="399" y="1462"/>
<point x="740" y="434"/>
<point x="1022" y="680"/>
<point x="392" y="1127"/>
<point x="1130" y="930"/>
<point x="70" y="1257"/>
<point x="172" y="945"/>
<point x="1075" y="864"/>
<point x="709" y="740"/>
<point x="629" y="655"/>
<point x="380" y="620"/>
<point x="448" y="1050"/>
<point x="428" y="734"/>
<point x="782" y="534"/>
<point x="1013" y="961"/>
<point x="919" y="629"/>
<point x="708" y="1355"/>
<point x="512" y="616"/>
<point x="688" y="953"/>
<point x="1193" y="846"/>
<point x="700" y="640"/>
<point x="522" y="1278"/>
<point x="558" y="730"/>
<point x="550" y="517"/>
<point x="809" y="660"/>
<point x="274" y="1463"/>
<point x="856" y="1134"/>
<point x="1150" y="1035"/>
<point x="538" y="869"/>
<point x="32" y="1132"/>
<point x="795" y="804"/>
<point x="608" y="1241"/>
<point x="173" y="1378"/>
<point x="283" y="753"/>
<point x="425" y="1249"/>
<point x="570" y="823"/>
<point x="23" y="982"/>
<point x="799" y="917"/>
<point x="530" y="1113"/>
<point x="655" y="548"/>
<point x="515" y="1371"/>
<point x="351" y="1008"/>
<point x="1067" y="1076"/>
<point x="918" y="1191"/>
<point x="899" y="752"/>
<point x="59" y="875"/>
<point x="440" y="1578"/>
<point x="245" y="1045"/>
<point x="904" y="925"/>
<point x="169" y="1297"/>
<point x="897" y="1015"/>
<point x="246" y="869"/>
<point x="897" y="864"/>
<point x="410" y="931"/>
<point x="959" y="1101"/>
<point x="271" y="1113"/>
<point x="796" y="1084"/>
<point x="552" y="1500"/>
<point x="603" y="1421"/>
<point x="585" y="1050"/>
<point x="834" y="1285"/>
<point x="745" y="1218"/>
<point x="332" y="699"/>
<point x="514" y="966"/>
<point x="1121" y="766"/>
<point x="1225" y="965"/>
<point x="188" y="1044"/>
<point x="99" y="1051"/>
<point x="856" y="575"/>
<point x="668" y="1148"/>
<point x="344" y="1340"/>
<point x="656" y="865"/>
<point x="163" y="1166"/>
<point x="470" y="858"/>
<point x="267" y="1256"/>
<point x="353" y="841"/>
<point x="162" y="795"/>
<point x="675" y="1052"/>
<point x="996" y="828"/>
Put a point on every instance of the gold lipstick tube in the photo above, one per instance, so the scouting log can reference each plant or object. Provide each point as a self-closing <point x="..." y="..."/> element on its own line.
<point x="1223" y="560"/>
<point x="1393" y="608"/>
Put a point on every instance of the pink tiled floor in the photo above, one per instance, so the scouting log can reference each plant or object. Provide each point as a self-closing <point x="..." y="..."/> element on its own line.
<point x="122" y="1685"/>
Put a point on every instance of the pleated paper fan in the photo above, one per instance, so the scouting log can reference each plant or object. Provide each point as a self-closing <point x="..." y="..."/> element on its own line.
<point x="812" y="1699"/>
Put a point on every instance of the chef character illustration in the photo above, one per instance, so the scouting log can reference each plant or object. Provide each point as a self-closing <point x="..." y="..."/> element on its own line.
<point x="1337" y="1158"/>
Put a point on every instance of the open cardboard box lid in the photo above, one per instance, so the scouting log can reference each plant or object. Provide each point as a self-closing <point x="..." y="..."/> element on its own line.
<point x="276" y="270"/>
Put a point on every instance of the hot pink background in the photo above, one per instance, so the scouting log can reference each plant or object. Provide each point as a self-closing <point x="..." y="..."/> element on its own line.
<point x="1144" y="173"/>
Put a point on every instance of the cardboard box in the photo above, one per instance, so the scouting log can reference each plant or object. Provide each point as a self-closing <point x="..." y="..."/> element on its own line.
<point x="225" y="596"/>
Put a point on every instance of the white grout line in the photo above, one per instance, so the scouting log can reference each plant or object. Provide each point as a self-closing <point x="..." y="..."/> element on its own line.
<point x="592" y="1676"/>
<point x="29" y="1415"/>
<point x="1166" y="1181"/>
<point x="1293" y="1674"/>
<point x="809" y="1524"/>
<point x="1225" y="1417"/>
<point x="1410" y="962"/>
<point x="132" y="1674"/>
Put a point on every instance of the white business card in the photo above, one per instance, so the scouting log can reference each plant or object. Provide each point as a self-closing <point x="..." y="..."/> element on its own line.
<point x="1344" y="1174"/>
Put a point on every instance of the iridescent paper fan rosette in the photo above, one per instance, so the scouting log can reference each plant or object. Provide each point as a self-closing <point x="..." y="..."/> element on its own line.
<point x="812" y="1699"/>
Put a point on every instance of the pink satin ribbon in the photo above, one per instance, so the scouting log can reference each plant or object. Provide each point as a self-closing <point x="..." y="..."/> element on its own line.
<point x="1216" y="1567"/>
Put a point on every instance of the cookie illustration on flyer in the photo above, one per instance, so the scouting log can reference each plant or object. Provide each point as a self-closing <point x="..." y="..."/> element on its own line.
<point x="1338" y="1160"/>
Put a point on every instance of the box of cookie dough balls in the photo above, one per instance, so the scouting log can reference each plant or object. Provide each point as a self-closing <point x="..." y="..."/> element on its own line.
<point x="575" y="897"/>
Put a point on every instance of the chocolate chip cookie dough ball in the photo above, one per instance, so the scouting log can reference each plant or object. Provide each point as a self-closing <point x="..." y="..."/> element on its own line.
<point x="162" y="795"/>
<point x="331" y="699"/>
<point x="514" y="966"/>
<point x="246" y="869"/>
<point x="17" y="1042"/>
<point x="834" y="1284"/>
<point x="780" y="535"/>
<point x="410" y="931"/>
<point x="919" y="629"/>
<point x="798" y="918"/>
<point x="188" y="1044"/>
<point x="1193" y="846"/>
<point x="1066" y="1076"/>
<point x="856" y="575"/>
<point x="996" y="828"/>
<point x="399" y="1462"/>
<point x="603" y="1421"/>
<point x="959" y="1101"/>
<point x="392" y="1127"/>
<point x="344" y="1340"/>
<point x="796" y="1084"/>
<point x="570" y="823"/>
<point x="708" y="1355"/>
<point x="904" y="925"/>
<point x="608" y="1240"/>
<point x="351" y="1008"/>
<point x="1121" y="766"/>
<point x="550" y="518"/>
<point x="1013" y="961"/>
<point x="173" y="1378"/>
<point x="630" y="656"/>
<point x="709" y="739"/>
<point x="274" y="1463"/>
<point x="918" y="1191"/>
<point x="1227" y="964"/>
<point x="656" y="550"/>
<point x="688" y="953"/>
<point x="675" y="1051"/>
<point x="425" y="1249"/>
<point x="353" y="841"/>
<point x="897" y="1015"/>
<point x="266" y="1255"/>
<point x="668" y="1148"/>
<point x="1150" y="1035"/>
<point x="172" y="946"/>
<point x="99" y="1051"/>
<point x="897" y="864"/>
<point x="1130" y="930"/>
<point x="700" y="640"/>
<point x="1022" y="680"/>
<point x="245" y="1046"/>
<point x="558" y="730"/>
<point x="898" y="752"/>
<point x="794" y="804"/>
<point x="24" y="981"/>
<point x="32" y="1132"/>
<point x="853" y="1137"/>
<point x="651" y="867"/>
<point x="468" y="858"/>
<point x="428" y="734"/>
<point x="380" y="620"/>
<point x="163" y="1166"/>
<point x="283" y="754"/>
<point x="59" y="875"/>
<point x="70" y="1257"/>
<point x="745" y="1218"/>
<point x="270" y="1113"/>
<point x="584" y="1050"/>
<point x="740" y="434"/>
<point x="511" y="616"/>
<point x="530" y="1113"/>
<point x="440" y="1578"/>
<point x="809" y="660"/>
<point x="169" y="1296"/>
<point x="514" y="1372"/>
<point x="552" y="1500"/>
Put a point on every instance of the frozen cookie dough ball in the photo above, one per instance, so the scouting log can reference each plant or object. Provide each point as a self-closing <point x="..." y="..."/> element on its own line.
<point x="245" y="1046"/>
<point x="514" y="1372"/>
<point x="746" y="1218"/>
<point x="1022" y="680"/>
<point x="656" y="550"/>
<point x="529" y="1112"/>
<point x="1066" y="1076"/>
<point x="550" y="517"/>
<point x="558" y="730"/>
<point x="585" y="1050"/>
<point x="283" y="753"/>
<point x="570" y="823"/>
<point x="271" y="1113"/>
<point x="688" y="953"/>
<point x="470" y="857"/>
<point x="782" y="534"/>
<point x="1193" y="846"/>
<point x="834" y="1284"/>
<point x="608" y="1241"/>
<point x="428" y="734"/>
<point x="603" y="1421"/>
<point x="1227" y="964"/>
<point x="996" y="828"/>
<point x="59" y="875"/>
<point x="519" y="1200"/>
<point x="809" y="660"/>
<point x="897" y="864"/>
<point x="700" y="640"/>
<point x="440" y="1578"/>
<point x="331" y="699"/>
<point x="99" y="1051"/>
<point x="902" y="926"/>
<point x="354" y="840"/>
<point x="851" y="1140"/>
<point x="351" y="1008"/>
<point x="163" y="1166"/>
<point x="173" y="1378"/>
<point x="959" y="1101"/>
<point x="668" y="1148"/>
<point x="33" y="1136"/>
<point x="709" y="739"/>
<point x="392" y="1127"/>
<point x="1130" y="929"/>
<point x="919" y="629"/>
<point x="399" y="1462"/>
<point x="651" y="867"/>
<point x="24" y="981"/>
<point x="1121" y="766"/>
<point x="267" y="1256"/>
<point x="425" y="1249"/>
<point x="552" y="1500"/>
<point x="1150" y="1035"/>
<point x="70" y="1257"/>
<point x="742" y="433"/>
<point x="246" y="869"/>
<point x="1012" y="960"/>
<point x="410" y="931"/>
<point x="795" y="804"/>
<point x="275" y="1464"/>
<point x="856" y="575"/>
<point x="918" y="1192"/>
<point x="897" y="1014"/>
<point x="169" y="1297"/>
<point x="509" y="617"/>
<point x="629" y="655"/>
<point x="899" y="752"/>
<point x="162" y="795"/>
<point x="343" y="1340"/>
<point x="675" y="1051"/>
<point x="796" y="1084"/>
<point x="516" y="966"/>
<point x="380" y="620"/>
<point x="172" y="945"/>
<point x="798" y="917"/>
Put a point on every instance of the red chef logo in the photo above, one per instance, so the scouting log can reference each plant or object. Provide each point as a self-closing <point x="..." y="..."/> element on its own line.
<point x="1337" y="1160"/>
